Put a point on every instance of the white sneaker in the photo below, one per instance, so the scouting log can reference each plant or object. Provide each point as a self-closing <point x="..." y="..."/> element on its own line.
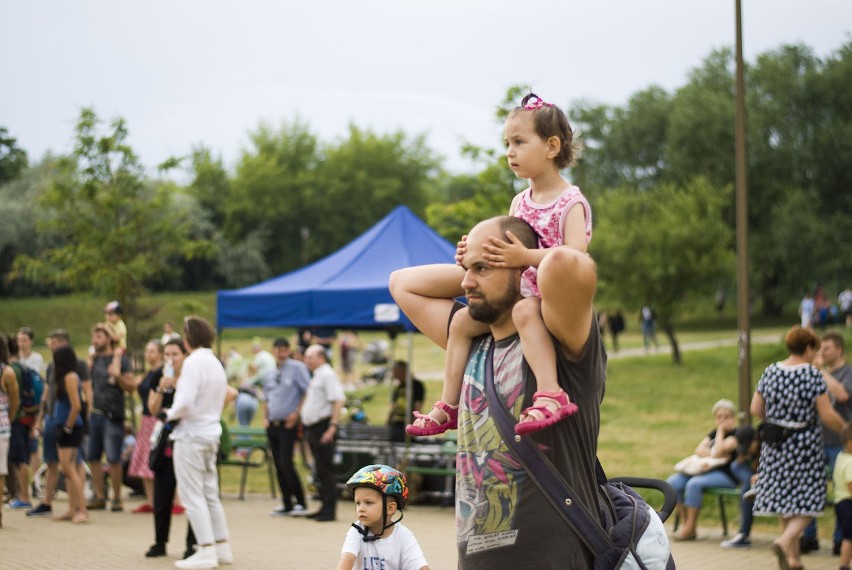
<point x="739" y="541"/>
<point x="299" y="511"/>
<point x="204" y="557"/>
<point x="223" y="552"/>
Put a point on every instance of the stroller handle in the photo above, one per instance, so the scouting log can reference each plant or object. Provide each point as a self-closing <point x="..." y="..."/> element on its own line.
<point x="669" y="494"/>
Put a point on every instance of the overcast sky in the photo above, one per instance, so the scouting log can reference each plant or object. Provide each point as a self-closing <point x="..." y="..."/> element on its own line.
<point x="209" y="71"/>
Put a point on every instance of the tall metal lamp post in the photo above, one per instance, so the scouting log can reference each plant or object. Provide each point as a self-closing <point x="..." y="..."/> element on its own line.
<point x="743" y="326"/>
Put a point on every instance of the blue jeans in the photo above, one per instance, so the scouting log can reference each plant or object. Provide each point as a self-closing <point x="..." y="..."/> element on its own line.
<point x="690" y="489"/>
<point x="104" y="435"/>
<point x="742" y="471"/>
<point x="831" y="453"/>
<point x="246" y="407"/>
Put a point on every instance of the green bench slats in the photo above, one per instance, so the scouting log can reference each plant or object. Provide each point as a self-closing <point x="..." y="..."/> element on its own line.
<point x="256" y="454"/>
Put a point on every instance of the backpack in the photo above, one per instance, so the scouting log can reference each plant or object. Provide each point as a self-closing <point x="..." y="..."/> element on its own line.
<point x="627" y="535"/>
<point x="30" y="389"/>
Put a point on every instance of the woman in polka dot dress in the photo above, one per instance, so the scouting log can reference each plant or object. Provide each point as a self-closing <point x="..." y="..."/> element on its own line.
<point x="791" y="394"/>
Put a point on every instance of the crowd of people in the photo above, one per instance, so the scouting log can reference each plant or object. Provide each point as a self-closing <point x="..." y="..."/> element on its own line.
<point x="79" y="416"/>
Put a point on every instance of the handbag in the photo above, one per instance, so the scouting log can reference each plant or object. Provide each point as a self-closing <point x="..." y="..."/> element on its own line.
<point x="775" y="434"/>
<point x="160" y="443"/>
<point x="627" y="534"/>
<point x="695" y="465"/>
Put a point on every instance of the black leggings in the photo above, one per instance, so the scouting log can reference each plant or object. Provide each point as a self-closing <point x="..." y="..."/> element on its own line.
<point x="164" y="496"/>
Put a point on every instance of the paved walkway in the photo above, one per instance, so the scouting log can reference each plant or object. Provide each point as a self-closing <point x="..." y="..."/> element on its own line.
<point x="260" y="542"/>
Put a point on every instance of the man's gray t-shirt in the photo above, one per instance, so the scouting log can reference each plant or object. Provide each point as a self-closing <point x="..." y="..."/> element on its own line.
<point x="284" y="388"/>
<point x="502" y="519"/>
<point x="109" y="398"/>
<point x="843" y="374"/>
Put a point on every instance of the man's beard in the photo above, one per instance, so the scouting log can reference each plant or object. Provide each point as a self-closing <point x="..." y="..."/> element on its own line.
<point x="489" y="311"/>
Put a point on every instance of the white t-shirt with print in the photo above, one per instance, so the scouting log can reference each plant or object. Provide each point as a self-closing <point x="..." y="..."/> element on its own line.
<point x="399" y="551"/>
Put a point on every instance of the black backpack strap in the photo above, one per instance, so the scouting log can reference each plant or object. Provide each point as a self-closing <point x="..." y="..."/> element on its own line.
<point x="542" y="472"/>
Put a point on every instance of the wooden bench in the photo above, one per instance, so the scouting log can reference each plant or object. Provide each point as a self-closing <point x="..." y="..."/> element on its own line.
<point x="249" y="450"/>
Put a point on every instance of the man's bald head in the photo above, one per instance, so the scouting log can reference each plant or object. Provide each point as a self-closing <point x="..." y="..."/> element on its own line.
<point x="499" y="225"/>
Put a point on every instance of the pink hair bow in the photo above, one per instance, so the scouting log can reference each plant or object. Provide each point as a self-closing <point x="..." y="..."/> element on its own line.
<point x="539" y="103"/>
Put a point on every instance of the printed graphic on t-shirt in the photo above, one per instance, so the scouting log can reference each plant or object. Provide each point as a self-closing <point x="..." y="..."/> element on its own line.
<point x="489" y="478"/>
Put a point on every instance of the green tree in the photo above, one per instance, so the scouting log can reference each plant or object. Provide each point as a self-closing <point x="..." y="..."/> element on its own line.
<point x="13" y="160"/>
<point x="19" y="233"/>
<point x="269" y="193"/>
<point x="489" y="194"/>
<point x="799" y="127"/>
<point x="362" y="178"/>
<point x="210" y="185"/>
<point x="662" y="246"/>
<point x="118" y="231"/>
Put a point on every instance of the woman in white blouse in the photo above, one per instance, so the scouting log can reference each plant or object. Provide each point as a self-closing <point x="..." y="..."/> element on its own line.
<point x="198" y="402"/>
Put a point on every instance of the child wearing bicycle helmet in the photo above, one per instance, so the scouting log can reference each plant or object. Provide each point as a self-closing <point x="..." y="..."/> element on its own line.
<point x="377" y="539"/>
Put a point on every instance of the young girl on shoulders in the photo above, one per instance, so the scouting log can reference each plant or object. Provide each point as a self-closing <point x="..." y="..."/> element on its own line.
<point x="539" y="142"/>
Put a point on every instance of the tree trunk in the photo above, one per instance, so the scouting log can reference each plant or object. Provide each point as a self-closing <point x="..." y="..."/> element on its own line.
<point x="668" y="328"/>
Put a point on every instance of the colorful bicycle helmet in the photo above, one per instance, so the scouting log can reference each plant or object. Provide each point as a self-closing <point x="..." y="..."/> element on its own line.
<point x="384" y="479"/>
<point x="387" y="481"/>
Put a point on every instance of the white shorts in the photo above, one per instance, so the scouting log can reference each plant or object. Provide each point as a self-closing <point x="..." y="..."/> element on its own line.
<point x="4" y="456"/>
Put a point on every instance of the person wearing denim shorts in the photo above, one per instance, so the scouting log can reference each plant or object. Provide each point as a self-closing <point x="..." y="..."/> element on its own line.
<point x="106" y="424"/>
<point x="56" y="339"/>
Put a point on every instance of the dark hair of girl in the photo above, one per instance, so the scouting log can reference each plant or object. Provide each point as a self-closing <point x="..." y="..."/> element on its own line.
<point x="550" y="121"/>
<point x="176" y="342"/>
<point x="64" y="362"/>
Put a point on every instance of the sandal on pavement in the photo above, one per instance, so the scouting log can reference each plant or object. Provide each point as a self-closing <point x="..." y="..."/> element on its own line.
<point x="432" y="427"/>
<point x="781" y="555"/>
<point x="528" y="423"/>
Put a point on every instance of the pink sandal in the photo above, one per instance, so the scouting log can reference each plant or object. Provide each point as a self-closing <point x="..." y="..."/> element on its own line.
<point x="565" y="409"/>
<point x="433" y="427"/>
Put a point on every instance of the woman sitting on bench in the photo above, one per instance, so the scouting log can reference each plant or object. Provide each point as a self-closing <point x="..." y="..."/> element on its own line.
<point x="711" y="467"/>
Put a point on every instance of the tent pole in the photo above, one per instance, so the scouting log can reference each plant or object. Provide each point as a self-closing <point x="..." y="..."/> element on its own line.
<point x="219" y="343"/>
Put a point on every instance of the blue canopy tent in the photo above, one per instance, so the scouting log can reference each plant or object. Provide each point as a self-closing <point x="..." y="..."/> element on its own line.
<point x="348" y="289"/>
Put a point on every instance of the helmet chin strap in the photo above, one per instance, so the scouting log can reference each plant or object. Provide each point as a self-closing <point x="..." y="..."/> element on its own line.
<point x="364" y="531"/>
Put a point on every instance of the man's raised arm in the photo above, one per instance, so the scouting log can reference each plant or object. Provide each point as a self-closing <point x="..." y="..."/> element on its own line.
<point x="425" y="294"/>
<point x="567" y="279"/>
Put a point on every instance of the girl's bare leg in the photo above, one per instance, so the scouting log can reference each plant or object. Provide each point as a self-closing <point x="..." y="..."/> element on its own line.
<point x="463" y="329"/>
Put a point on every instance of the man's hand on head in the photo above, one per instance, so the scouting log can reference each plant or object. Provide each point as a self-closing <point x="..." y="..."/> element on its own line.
<point x="461" y="249"/>
<point x="500" y="253"/>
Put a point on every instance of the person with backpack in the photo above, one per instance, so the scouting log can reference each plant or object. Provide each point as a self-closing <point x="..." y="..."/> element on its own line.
<point x="22" y="441"/>
<point x="504" y="519"/>
<point x="26" y="355"/>
<point x="9" y="403"/>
